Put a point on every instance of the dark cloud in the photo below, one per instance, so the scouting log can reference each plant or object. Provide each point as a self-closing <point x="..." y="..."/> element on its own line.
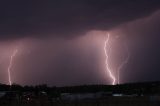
<point x="39" y="18"/>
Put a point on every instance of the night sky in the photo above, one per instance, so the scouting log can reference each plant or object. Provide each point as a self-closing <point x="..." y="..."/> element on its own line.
<point x="61" y="42"/>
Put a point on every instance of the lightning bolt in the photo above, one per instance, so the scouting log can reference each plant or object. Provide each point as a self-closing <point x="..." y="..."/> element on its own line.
<point x="123" y="63"/>
<point x="107" y="61"/>
<point x="10" y="66"/>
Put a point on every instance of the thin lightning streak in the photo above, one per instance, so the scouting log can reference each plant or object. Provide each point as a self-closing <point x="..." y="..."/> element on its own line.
<point x="123" y="63"/>
<point x="10" y="66"/>
<point x="106" y="62"/>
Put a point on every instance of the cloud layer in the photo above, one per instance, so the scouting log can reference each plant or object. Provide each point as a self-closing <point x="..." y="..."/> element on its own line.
<point x="65" y="18"/>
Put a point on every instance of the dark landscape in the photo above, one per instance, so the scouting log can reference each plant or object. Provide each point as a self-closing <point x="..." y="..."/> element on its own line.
<point x="135" y="94"/>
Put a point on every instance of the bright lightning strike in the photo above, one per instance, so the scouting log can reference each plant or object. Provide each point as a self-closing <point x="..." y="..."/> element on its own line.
<point x="107" y="61"/>
<point x="10" y="66"/>
<point x="122" y="64"/>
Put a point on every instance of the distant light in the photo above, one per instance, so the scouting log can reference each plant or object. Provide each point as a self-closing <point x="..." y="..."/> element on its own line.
<point x="117" y="94"/>
<point x="28" y="99"/>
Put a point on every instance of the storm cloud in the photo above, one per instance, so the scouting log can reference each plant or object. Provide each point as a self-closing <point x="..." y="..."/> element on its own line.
<point x="61" y="42"/>
<point x="68" y="18"/>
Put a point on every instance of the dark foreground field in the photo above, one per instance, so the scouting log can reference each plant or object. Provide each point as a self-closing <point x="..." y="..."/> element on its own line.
<point x="109" y="101"/>
<point x="136" y="94"/>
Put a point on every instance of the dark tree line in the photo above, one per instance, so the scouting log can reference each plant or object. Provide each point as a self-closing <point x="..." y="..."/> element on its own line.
<point x="146" y="88"/>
